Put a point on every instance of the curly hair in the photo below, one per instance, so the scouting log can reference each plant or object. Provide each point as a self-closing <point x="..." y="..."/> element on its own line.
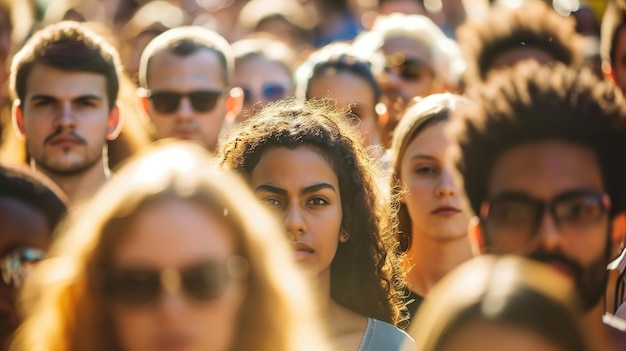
<point x="532" y="103"/>
<point x="365" y="273"/>
<point x="482" y="42"/>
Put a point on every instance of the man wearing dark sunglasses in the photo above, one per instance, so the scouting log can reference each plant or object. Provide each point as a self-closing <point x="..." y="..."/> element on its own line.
<point x="419" y="61"/>
<point x="29" y="211"/>
<point x="64" y="82"/>
<point x="542" y="160"/>
<point x="185" y="76"/>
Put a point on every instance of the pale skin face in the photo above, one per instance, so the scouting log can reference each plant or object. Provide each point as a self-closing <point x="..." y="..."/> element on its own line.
<point x="175" y="233"/>
<point x="201" y="70"/>
<point x="350" y="90"/>
<point x="303" y="188"/>
<point x="433" y="199"/>
<point x="485" y="336"/>
<point x="544" y="170"/>
<point x="66" y="119"/>
<point x="252" y="74"/>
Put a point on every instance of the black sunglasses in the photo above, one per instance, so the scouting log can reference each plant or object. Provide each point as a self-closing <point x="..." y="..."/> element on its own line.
<point x="17" y="263"/>
<point x="168" y="101"/>
<point x="143" y="286"/>
<point x="407" y="68"/>
<point x="515" y="217"/>
<point x="269" y="91"/>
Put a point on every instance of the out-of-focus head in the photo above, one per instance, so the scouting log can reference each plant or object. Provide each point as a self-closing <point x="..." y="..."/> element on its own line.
<point x="506" y="37"/>
<point x="185" y="76"/>
<point x="419" y="59"/>
<point x="613" y="42"/>
<point x="263" y="70"/>
<point x="423" y="171"/>
<point x="150" y="20"/>
<point x="30" y="209"/>
<point x="287" y="20"/>
<point x="495" y="303"/>
<point x="172" y="251"/>
<point x="269" y="149"/>
<point x="336" y="73"/>
<point x="546" y="140"/>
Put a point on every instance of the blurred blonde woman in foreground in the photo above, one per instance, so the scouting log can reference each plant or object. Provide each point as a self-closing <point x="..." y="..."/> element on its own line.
<point x="172" y="254"/>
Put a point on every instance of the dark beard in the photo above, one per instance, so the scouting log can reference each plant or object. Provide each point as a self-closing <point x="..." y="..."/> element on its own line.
<point x="590" y="281"/>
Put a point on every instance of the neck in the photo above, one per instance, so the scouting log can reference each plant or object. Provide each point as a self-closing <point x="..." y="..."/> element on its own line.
<point x="601" y="336"/>
<point x="429" y="259"/>
<point x="79" y="187"/>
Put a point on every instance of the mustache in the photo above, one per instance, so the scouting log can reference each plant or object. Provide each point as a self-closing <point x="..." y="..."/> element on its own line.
<point x="550" y="257"/>
<point x="59" y="131"/>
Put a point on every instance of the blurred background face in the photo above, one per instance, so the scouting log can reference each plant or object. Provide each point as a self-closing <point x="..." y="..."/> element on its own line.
<point x="350" y="90"/>
<point x="485" y="336"/>
<point x="21" y="226"/>
<point x="262" y="81"/>
<point x="408" y="73"/>
<point x="176" y="234"/>
<point x="433" y="199"/>
<point x="200" y="71"/>
<point x="543" y="171"/>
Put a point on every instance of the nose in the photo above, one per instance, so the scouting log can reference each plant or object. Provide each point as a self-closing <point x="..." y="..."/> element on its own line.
<point x="295" y="221"/>
<point x="185" y="109"/>
<point x="446" y="186"/>
<point x="65" y="117"/>
<point x="548" y="233"/>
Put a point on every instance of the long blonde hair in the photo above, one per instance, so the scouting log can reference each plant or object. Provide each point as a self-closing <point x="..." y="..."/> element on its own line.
<point x="66" y="312"/>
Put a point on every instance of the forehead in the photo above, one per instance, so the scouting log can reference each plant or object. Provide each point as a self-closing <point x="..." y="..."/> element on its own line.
<point x="56" y="82"/>
<point x="345" y="87"/>
<point x="175" y="232"/>
<point x="545" y="169"/>
<point x="21" y="225"/>
<point x="300" y="167"/>
<point x="203" y="68"/>
<point x="259" y="68"/>
<point x="432" y="141"/>
<point x="407" y="47"/>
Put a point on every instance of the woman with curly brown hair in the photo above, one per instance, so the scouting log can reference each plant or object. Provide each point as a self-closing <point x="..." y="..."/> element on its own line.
<point x="303" y="159"/>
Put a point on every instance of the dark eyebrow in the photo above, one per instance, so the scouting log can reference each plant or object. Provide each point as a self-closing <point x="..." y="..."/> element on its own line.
<point x="317" y="187"/>
<point x="42" y="97"/>
<point x="271" y="189"/>
<point x="88" y="97"/>
<point x="309" y="189"/>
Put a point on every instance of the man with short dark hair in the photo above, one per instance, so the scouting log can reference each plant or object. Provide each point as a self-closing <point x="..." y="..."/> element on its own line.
<point x="541" y="158"/>
<point x="185" y="75"/>
<point x="64" y="83"/>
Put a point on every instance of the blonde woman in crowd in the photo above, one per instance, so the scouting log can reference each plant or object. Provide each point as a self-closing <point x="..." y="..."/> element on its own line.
<point x="171" y="254"/>
<point x="433" y="217"/>
<point x="305" y="161"/>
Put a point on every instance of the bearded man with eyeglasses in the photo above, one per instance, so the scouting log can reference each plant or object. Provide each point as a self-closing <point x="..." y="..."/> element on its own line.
<point x="542" y="161"/>
<point x="185" y="76"/>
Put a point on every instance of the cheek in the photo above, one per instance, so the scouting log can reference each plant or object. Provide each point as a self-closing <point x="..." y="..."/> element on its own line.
<point x="134" y="329"/>
<point x="417" y="197"/>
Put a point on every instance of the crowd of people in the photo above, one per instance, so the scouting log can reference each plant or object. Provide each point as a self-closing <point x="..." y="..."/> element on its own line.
<point x="391" y="175"/>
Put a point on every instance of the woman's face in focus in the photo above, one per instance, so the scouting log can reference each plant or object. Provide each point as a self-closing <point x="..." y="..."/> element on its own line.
<point x="169" y="236"/>
<point x="485" y="336"/>
<point x="433" y="199"/>
<point x="303" y="188"/>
